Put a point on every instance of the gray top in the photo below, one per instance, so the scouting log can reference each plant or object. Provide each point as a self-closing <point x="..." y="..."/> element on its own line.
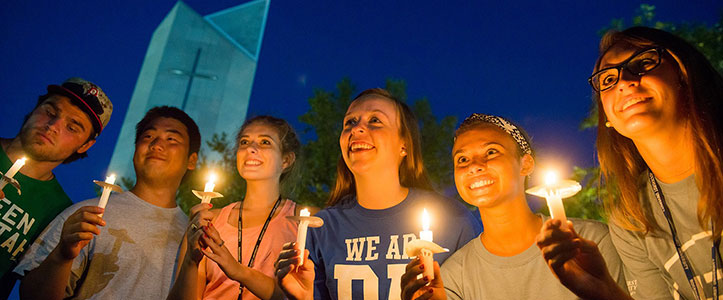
<point x="132" y="258"/>
<point x="474" y="273"/>
<point x="653" y="269"/>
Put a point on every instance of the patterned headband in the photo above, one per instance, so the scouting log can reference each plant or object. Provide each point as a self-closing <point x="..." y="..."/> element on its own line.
<point x="503" y="124"/>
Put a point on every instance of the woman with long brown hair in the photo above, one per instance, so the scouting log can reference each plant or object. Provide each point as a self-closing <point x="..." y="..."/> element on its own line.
<point x="659" y="143"/>
<point x="375" y="209"/>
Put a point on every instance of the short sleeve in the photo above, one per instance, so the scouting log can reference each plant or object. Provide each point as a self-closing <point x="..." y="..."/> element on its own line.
<point x="612" y="260"/>
<point x="451" y="272"/>
<point x="45" y="243"/>
<point x="644" y="279"/>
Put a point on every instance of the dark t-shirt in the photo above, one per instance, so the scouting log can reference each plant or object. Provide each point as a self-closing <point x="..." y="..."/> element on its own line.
<point x="23" y="217"/>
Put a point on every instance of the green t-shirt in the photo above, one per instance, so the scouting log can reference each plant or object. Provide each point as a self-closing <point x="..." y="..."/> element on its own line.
<point x="22" y="218"/>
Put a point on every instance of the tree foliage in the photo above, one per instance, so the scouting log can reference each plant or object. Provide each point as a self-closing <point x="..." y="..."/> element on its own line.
<point x="708" y="39"/>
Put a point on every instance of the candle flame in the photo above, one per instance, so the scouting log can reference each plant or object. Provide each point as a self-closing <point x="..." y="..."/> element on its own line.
<point x="550" y="178"/>
<point x="304" y="212"/>
<point x="425" y="220"/>
<point x="22" y="160"/>
<point x="212" y="177"/>
<point x="110" y="179"/>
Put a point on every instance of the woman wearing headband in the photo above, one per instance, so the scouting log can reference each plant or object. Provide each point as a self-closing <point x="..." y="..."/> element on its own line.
<point x="659" y="142"/>
<point x="375" y="209"/>
<point x="492" y="160"/>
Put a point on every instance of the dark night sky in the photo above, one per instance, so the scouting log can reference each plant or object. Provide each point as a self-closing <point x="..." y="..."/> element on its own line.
<point x="522" y="59"/>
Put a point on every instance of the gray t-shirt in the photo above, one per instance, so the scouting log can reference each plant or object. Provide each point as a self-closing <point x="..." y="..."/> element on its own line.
<point x="131" y="258"/>
<point x="474" y="273"/>
<point x="653" y="269"/>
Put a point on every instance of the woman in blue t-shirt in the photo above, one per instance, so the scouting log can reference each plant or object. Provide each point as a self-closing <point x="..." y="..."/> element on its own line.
<point x="374" y="209"/>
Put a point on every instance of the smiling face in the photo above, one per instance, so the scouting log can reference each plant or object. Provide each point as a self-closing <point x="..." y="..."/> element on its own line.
<point x="55" y="130"/>
<point x="638" y="106"/>
<point x="162" y="151"/>
<point x="488" y="169"/>
<point x="370" y="140"/>
<point x="259" y="155"/>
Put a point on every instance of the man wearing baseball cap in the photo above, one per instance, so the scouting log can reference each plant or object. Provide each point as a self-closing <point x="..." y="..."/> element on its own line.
<point x="60" y="129"/>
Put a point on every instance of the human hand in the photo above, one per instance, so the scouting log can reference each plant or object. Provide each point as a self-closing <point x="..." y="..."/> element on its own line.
<point x="217" y="252"/>
<point x="297" y="282"/>
<point x="78" y="230"/>
<point x="413" y="288"/>
<point x="576" y="262"/>
<point x="201" y="216"/>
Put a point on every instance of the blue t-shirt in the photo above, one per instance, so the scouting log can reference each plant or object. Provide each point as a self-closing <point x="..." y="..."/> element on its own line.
<point x="359" y="253"/>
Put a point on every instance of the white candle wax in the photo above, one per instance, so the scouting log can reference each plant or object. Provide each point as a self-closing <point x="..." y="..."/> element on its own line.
<point x="426" y="255"/>
<point x="106" y="192"/>
<point x="557" y="211"/>
<point x="16" y="167"/>
<point x="301" y="234"/>
<point x="554" y="201"/>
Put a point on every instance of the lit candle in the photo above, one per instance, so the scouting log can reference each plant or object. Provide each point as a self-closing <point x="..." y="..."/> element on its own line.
<point x="426" y="254"/>
<point x="106" y="192"/>
<point x="12" y="171"/>
<point x="301" y="233"/>
<point x="553" y="198"/>
<point x="108" y="185"/>
<point x="210" y="183"/>
<point x="209" y="188"/>
<point x="16" y="167"/>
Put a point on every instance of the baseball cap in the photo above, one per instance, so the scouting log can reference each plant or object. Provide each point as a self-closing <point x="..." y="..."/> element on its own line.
<point x="89" y="98"/>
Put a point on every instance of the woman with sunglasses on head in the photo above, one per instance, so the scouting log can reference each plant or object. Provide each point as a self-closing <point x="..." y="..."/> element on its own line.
<point x="492" y="160"/>
<point x="659" y="142"/>
<point x="375" y="209"/>
<point x="254" y="229"/>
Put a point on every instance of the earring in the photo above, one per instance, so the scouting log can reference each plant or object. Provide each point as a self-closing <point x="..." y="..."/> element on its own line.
<point x="404" y="152"/>
<point x="608" y="124"/>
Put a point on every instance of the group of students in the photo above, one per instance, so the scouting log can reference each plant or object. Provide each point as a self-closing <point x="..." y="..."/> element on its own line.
<point x="659" y="145"/>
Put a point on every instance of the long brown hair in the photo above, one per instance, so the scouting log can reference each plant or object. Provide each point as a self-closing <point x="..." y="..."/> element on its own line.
<point x="700" y="105"/>
<point x="289" y="144"/>
<point x="411" y="171"/>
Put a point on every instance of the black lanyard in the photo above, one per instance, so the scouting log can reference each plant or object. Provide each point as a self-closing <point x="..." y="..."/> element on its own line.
<point x="258" y="241"/>
<point x="689" y="273"/>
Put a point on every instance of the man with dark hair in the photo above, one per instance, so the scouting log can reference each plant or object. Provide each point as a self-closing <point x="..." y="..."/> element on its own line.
<point x="128" y="249"/>
<point x="61" y="128"/>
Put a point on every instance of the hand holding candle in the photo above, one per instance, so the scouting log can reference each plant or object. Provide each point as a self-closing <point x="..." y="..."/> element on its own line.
<point x="208" y="192"/>
<point x="8" y="176"/>
<point x="108" y="185"/>
<point x="554" y="190"/>
<point x="305" y="220"/>
<point x="424" y="247"/>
